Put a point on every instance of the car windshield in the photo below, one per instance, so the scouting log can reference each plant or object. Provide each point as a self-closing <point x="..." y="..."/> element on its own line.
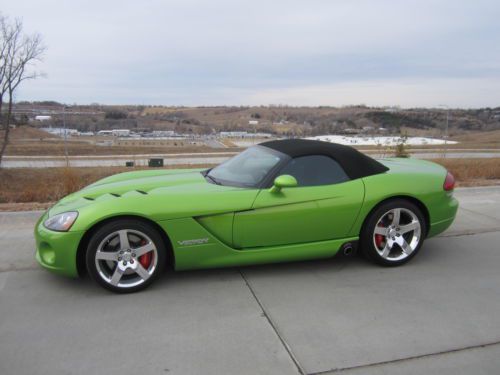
<point x="247" y="169"/>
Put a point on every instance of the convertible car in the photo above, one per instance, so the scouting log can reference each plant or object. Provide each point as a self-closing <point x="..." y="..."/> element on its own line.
<point x="278" y="201"/>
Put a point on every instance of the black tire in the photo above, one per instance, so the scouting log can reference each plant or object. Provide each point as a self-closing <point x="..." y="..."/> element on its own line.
<point x="367" y="237"/>
<point x="137" y="229"/>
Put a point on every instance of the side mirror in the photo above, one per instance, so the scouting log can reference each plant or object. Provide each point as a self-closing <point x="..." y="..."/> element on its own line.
<point x="283" y="181"/>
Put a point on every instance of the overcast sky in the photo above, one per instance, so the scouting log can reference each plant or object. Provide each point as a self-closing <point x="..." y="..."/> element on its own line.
<point x="231" y="52"/>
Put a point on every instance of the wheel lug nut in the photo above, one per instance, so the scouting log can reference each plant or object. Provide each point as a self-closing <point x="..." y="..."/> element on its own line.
<point x="119" y="258"/>
<point x="124" y="263"/>
<point x="393" y="238"/>
<point x="133" y="254"/>
<point x="131" y="261"/>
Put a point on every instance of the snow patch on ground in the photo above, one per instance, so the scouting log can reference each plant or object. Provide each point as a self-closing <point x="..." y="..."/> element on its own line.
<point x="383" y="141"/>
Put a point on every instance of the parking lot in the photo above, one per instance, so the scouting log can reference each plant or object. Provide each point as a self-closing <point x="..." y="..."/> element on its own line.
<point x="438" y="314"/>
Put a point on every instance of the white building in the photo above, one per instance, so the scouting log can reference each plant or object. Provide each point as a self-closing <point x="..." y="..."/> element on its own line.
<point x="43" y="118"/>
<point x="163" y="133"/>
<point x="244" y="135"/>
<point x="105" y="132"/>
<point x="60" y="131"/>
<point x="233" y="134"/>
<point x="121" y="132"/>
<point x="115" y="132"/>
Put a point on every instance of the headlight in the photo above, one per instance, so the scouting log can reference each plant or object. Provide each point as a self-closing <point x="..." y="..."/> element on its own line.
<point x="61" y="222"/>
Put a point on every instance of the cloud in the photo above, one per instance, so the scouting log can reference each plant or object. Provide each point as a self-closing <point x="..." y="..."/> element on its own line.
<point x="465" y="93"/>
<point x="226" y="52"/>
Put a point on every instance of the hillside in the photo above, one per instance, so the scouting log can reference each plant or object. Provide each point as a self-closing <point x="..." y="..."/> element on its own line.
<point x="279" y="120"/>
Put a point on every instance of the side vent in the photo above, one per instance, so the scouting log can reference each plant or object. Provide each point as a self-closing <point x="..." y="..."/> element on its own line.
<point x="142" y="192"/>
<point x="115" y="195"/>
<point x="88" y="198"/>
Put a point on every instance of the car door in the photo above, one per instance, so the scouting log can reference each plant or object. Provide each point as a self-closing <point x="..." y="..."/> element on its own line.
<point x="323" y="206"/>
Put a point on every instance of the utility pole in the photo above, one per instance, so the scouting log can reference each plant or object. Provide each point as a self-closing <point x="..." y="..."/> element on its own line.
<point x="65" y="137"/>
<point x="446" y="128"/>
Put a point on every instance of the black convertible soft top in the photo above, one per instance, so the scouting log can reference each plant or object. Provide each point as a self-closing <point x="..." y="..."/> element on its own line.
<point x="355" y="164"/>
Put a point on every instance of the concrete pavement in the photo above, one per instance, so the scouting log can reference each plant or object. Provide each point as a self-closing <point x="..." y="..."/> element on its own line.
<point x="437" y="314"/>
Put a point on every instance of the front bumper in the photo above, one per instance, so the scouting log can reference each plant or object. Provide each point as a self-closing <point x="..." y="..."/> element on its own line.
<point x="56" y="251"/>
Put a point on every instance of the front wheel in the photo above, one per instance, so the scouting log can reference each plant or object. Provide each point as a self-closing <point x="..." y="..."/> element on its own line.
<point x="394" y="233"/>
<point x="125" y="256"/>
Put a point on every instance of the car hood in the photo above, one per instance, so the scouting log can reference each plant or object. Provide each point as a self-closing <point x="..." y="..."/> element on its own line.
<point x="160" y="194"/>
<point x="145" y="182"/>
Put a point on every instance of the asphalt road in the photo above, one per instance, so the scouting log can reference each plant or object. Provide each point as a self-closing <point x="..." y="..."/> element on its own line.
<point x="187" y="159"/>
<point x="439" y="314"/>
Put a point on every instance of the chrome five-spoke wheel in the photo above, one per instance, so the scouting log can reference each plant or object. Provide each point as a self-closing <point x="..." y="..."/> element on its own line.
<point x="125" y="255"/>
<point x="397" y="234"/>
<point x="393" y="233"/>
<point x="126" y="258"/>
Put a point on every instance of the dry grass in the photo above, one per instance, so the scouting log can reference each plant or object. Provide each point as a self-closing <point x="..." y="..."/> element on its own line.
<point x="227" y="142"/>
<point x="56" y="147"/>
<point x="27" y="188"/>
<point x="26" y="185"/>
<point x="29" y="141"/>
<point x="473" y="172"/>
<point x="479" y="137"/>
<point x="27" y="132"/>
<point x="163" y="110"/>
<point x="45" y="185"/>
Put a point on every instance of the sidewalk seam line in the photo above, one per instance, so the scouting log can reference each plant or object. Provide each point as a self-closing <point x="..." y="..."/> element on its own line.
<point x="27" y="268"/>
<point x="469" y="233"/>
<point x="274" y="327"/>
<point x="436" y="354"/>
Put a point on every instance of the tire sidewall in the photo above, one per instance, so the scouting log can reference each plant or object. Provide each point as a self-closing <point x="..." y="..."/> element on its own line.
<point x="366" y="238"/>
<point x="116" y="225"/>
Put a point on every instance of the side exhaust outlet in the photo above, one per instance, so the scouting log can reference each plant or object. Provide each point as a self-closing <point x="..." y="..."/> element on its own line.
<point x="348" y="249"/>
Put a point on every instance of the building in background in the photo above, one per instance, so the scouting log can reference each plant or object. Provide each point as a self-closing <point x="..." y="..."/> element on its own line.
<point x="43" y="118"/>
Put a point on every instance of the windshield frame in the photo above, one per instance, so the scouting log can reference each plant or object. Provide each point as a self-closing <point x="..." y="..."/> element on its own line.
<point x="284" y="159"/>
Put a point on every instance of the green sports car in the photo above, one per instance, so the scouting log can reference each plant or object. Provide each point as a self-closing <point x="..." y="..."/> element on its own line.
<point x="278" y="201"/>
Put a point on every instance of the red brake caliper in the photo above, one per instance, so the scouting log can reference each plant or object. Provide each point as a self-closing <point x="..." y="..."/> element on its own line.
<point x="145" y="259"/>
<point x="379" y="238"/>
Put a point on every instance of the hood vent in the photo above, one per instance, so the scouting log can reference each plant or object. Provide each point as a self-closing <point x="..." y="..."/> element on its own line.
<point x="116" y="195"/>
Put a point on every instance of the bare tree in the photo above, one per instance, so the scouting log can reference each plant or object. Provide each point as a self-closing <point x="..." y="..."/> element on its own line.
<point x="18" y="52"/>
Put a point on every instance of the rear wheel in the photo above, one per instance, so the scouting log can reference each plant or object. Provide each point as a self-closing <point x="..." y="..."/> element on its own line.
<point x="125" y="256"/>
<point x="394" y="233"/>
